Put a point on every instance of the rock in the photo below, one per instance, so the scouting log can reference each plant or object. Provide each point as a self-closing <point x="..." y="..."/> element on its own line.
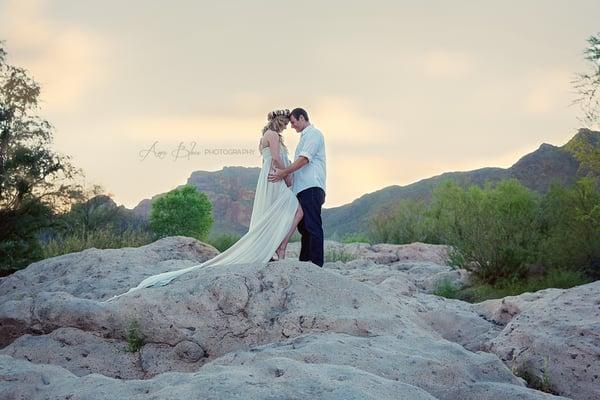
<point x="189" y="351"/>
<point x="81" y="352"/>
<point x="358" y="329"/>
<point x="552" y="335"/>
<point x="380" y="253"/>
<point x="94" y="273"/>
<point x="268" y="379"/>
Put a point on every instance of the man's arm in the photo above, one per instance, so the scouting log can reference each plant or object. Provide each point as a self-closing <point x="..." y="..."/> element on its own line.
<point x="295" y="166"/>
<point x="282" y="173"/>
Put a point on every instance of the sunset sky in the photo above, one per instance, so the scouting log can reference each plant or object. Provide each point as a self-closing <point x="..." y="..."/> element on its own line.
<point x="402" y="90"/>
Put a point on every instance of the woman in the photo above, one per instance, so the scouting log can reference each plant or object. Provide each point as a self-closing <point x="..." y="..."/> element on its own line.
<point x="275" y="214"/>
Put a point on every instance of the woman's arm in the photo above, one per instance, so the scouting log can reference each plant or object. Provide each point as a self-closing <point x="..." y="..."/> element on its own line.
<point x="273" y="139"/>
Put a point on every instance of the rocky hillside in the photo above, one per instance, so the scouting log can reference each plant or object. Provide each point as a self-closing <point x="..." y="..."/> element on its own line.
<point x="368" y="328"/>
<point x="230" y="190"/>
<point x="537" y="171"/>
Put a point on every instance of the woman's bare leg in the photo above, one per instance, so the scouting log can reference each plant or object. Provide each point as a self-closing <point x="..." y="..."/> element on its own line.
<point x="297" y="218"/>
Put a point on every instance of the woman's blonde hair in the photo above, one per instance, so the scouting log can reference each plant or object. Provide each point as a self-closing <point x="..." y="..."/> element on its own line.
<point x="277" y="121"/>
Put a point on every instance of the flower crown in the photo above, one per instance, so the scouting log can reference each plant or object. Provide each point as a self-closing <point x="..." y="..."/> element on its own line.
<point x="278" y="113"/>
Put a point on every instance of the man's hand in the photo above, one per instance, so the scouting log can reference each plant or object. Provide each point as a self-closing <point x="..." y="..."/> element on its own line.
<point x="276" y="175"/>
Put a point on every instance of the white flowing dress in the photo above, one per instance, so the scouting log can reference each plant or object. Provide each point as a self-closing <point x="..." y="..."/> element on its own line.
<point x="272" y="215"/>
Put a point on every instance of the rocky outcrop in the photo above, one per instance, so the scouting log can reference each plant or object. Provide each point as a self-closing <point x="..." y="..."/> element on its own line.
<point x="231" y="193"/>
<point x="362" y="327"/>
<point x="552" y="335"/>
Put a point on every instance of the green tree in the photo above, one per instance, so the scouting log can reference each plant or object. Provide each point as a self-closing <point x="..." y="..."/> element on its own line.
<point x="34" y="180"/>
<point x="495" y="229"/>
<point x="183" y="211"/>
<point x="571" y="225"/>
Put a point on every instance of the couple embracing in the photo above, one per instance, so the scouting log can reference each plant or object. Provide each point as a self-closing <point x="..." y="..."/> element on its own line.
<point x="289" y="196"/>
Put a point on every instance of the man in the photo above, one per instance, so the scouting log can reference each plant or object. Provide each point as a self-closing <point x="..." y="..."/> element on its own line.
<point x="308" y="184"/>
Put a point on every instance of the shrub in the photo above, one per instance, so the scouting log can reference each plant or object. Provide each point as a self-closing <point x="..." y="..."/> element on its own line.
<point x="183" y="211"/>
<point x="356" y="238"/>
<point x="446" y="289"/>
<point x="553" y="278"/>
<point x="571" y="227"/>
<point x="405" y="222"/>
<point x="224" y="241"/>
<point x="333" y="255"/>
<point x="494" y="230"/>
<point x="103" y="238"/>
<point x="541" y="383"/>
<point x="135" y="341"/>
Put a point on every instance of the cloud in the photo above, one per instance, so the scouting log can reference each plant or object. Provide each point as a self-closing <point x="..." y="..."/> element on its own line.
<point x="446" y="64"/>
<point x="354" y="140"/>
<point x="207" y="129"/>
<point x="547" y="91"/>
<point x="348" y="125"/>
<point x="66" y="60"/>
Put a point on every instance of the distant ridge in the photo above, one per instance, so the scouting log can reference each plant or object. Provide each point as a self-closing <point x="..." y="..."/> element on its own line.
<point x="536" y="170"/>
<point x="231" y="189"/>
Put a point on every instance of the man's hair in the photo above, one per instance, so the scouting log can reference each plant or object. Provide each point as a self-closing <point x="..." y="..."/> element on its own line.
<point x="297" y="112"/>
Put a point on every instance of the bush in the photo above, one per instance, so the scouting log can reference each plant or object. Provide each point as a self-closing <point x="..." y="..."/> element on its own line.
<point x="36" y="182"/>
<point x="333" y="255"/>
<point x="356" y="238"/>
<point x="502" y="233"/>
<point x="19" y="246"/>
<point x="103" y="238"/>
<point x="456" y="259"/>
<point x="534" y="381"/>
<point x="561" y="279"/>
<point x="183" y="211"/>
<point x="571" y="227"/>
<point x="224" y="241"/>
<point x="135" y="340"/>
<point x="446" y="289"/>
<point x="405" y="222"/>
<point x="494" y="230"/>
<point x="553" y="278"/>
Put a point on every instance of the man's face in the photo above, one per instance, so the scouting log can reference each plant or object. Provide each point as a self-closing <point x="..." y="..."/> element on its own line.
<point x="297" y="125"/>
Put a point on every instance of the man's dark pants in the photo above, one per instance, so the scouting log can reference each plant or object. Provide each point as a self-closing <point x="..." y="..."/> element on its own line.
<point x="311" y="226"/>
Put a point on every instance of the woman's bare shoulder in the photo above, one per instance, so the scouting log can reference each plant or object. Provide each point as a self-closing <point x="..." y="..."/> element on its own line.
<point x="270" y="133"/>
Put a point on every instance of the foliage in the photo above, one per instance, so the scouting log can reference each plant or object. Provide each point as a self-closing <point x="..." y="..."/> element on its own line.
<point x="101" y="238"/>
<point x="356" y="238"/>
<point x="445" y="288"/>
<point x="554" y="278"/>
<point x="18" y="234"/>
<point x="585" y="147"/>
<point x="571" y="226"/>
<point x="135" y="340"/>
<point x="333" y="255"/>
<point x="494" y="228"/>
<point x="224" y="241"/>
<point x="587" y="84"/>
<point x="405" y="222"/>
<point x="35" y="181"/>
<point x="534" y="381"/>
<point x="183" y="211"/>
<point x="505" y="233"/>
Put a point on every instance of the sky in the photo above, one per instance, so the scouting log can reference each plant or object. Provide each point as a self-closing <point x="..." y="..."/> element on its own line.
<point x="141" y="93"/>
